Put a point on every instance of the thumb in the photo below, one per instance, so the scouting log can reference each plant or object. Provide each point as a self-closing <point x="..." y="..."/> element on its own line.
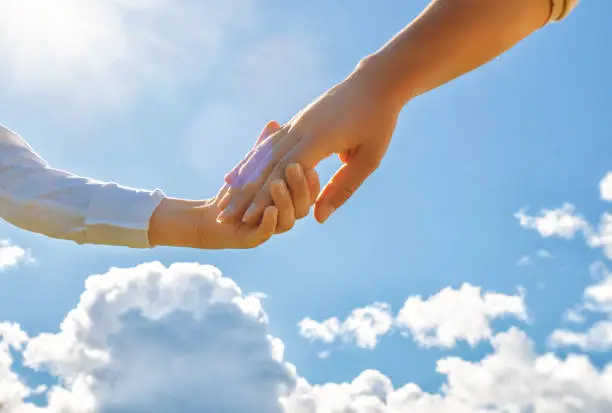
<point x="344" y="184"/>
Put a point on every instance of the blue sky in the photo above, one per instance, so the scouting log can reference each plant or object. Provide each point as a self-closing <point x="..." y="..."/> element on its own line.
<point x="157" y="96"/>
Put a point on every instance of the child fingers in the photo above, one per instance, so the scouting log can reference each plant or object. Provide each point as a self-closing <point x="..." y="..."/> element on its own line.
<point x="282" y="199"/>
<point x="314" y="185"/>
<point x="298" y="185"/>
<point x="268" y="225"/>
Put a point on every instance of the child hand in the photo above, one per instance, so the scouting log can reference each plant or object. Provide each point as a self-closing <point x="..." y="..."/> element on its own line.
<point x="194" y="224"/>
<point x="292" y="197"/>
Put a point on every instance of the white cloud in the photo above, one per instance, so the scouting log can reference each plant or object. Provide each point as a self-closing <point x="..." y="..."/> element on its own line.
<point x="597" y="299"/>
<point x="105" y="50"/>
<point x="12" y="389"/>
<point x="603" y="237"/>
<point x="512" y="379"/>
<point x="565" y="222"/>
<point x="159" y="339"/>
<point x="574" y="315"/>
<point x="597" y="338"/>
<point x="12" y="255"/>
<point x="605" y="187"/>
<point x="524" y="261"/>
<point x="364" y="325"/>
<point x="156" y="339"/>
<point x="452" y="315"/>
<point x="440" y="320"/>
<point x="544" y="254"/>
<point x="562" y="222"/>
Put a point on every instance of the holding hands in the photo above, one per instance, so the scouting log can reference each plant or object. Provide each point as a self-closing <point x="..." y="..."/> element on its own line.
<point x="355" y="119"/>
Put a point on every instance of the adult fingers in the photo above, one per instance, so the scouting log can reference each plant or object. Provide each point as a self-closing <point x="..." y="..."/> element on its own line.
<point x="270" y="128"/>
<point x="344" y="184"/>
<point x="253" y="174"/>
<point x="305" y="153"/>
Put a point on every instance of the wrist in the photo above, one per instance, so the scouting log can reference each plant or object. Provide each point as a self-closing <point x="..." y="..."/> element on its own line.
<point x="387" y="84"/>
<point x="179" y="223"/>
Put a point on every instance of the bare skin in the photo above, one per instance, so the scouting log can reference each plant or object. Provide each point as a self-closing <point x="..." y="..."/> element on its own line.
<point x="186" y="223"/>
<point x="357" y="118"/>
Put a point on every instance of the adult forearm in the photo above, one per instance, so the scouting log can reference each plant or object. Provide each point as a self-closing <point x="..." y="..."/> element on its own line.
<point x="449" y="39"/>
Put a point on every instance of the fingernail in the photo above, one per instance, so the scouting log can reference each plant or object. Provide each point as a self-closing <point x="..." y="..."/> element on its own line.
<point x="230" y="177"/>
<point x="248" y="215"/>
<point x="279" y="186"/>
<point x="296" y="169"/>
<point x="326" y="212"/>
<point x="225" y="214"/>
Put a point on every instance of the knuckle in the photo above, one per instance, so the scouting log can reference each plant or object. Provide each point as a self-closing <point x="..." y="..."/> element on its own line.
<point x="302" y="212"/>
<point x="371" y="164"/>
<point x="285" y="227"/>
<point x="343" y="194"/>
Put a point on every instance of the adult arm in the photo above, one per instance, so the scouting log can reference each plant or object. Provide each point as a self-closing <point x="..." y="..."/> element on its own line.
<point x="356" y="118"/>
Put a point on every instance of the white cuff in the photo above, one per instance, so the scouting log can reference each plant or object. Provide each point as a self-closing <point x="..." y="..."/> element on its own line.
<point x="118" y="215"/>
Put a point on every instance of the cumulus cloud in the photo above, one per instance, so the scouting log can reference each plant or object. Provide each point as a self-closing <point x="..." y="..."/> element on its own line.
<point x="605" y="187"/>
<point x="461" y="314"/>
<point x="597" y="338"/>
<point x="157" y="339"/>
<point x="105" y="50"/>
<point x="603" y="236"/>
<point x="562" y="222"/>
<point x="364" y="325"/>
<point x="184" y="338"/>
<point x="597" y="299"/>
<point x="440" y="320"/>
<point x="511" y="379"/>
<point x="12" y="255"/>
<point x="12" y="389"/>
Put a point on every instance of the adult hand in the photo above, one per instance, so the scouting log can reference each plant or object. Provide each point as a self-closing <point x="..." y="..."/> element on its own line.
<point x="293" y="194"/>
<point x="355" y="119"/>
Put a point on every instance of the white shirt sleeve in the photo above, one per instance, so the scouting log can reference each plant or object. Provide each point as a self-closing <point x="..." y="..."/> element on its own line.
<point x="38" y="198"/>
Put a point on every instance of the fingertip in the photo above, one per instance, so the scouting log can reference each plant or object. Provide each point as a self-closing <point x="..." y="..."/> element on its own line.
<point x="323" y="211"/>
<point x="279" y="190"/>
<point x="314" y="184"/>
<point x="231" y="176"/>
<point x="269" y="221"/>
<point x="270" y="128"/>
<point x="273" y="125"/>
<point x="294" y="171"/>
<point x="251" y="213"/>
